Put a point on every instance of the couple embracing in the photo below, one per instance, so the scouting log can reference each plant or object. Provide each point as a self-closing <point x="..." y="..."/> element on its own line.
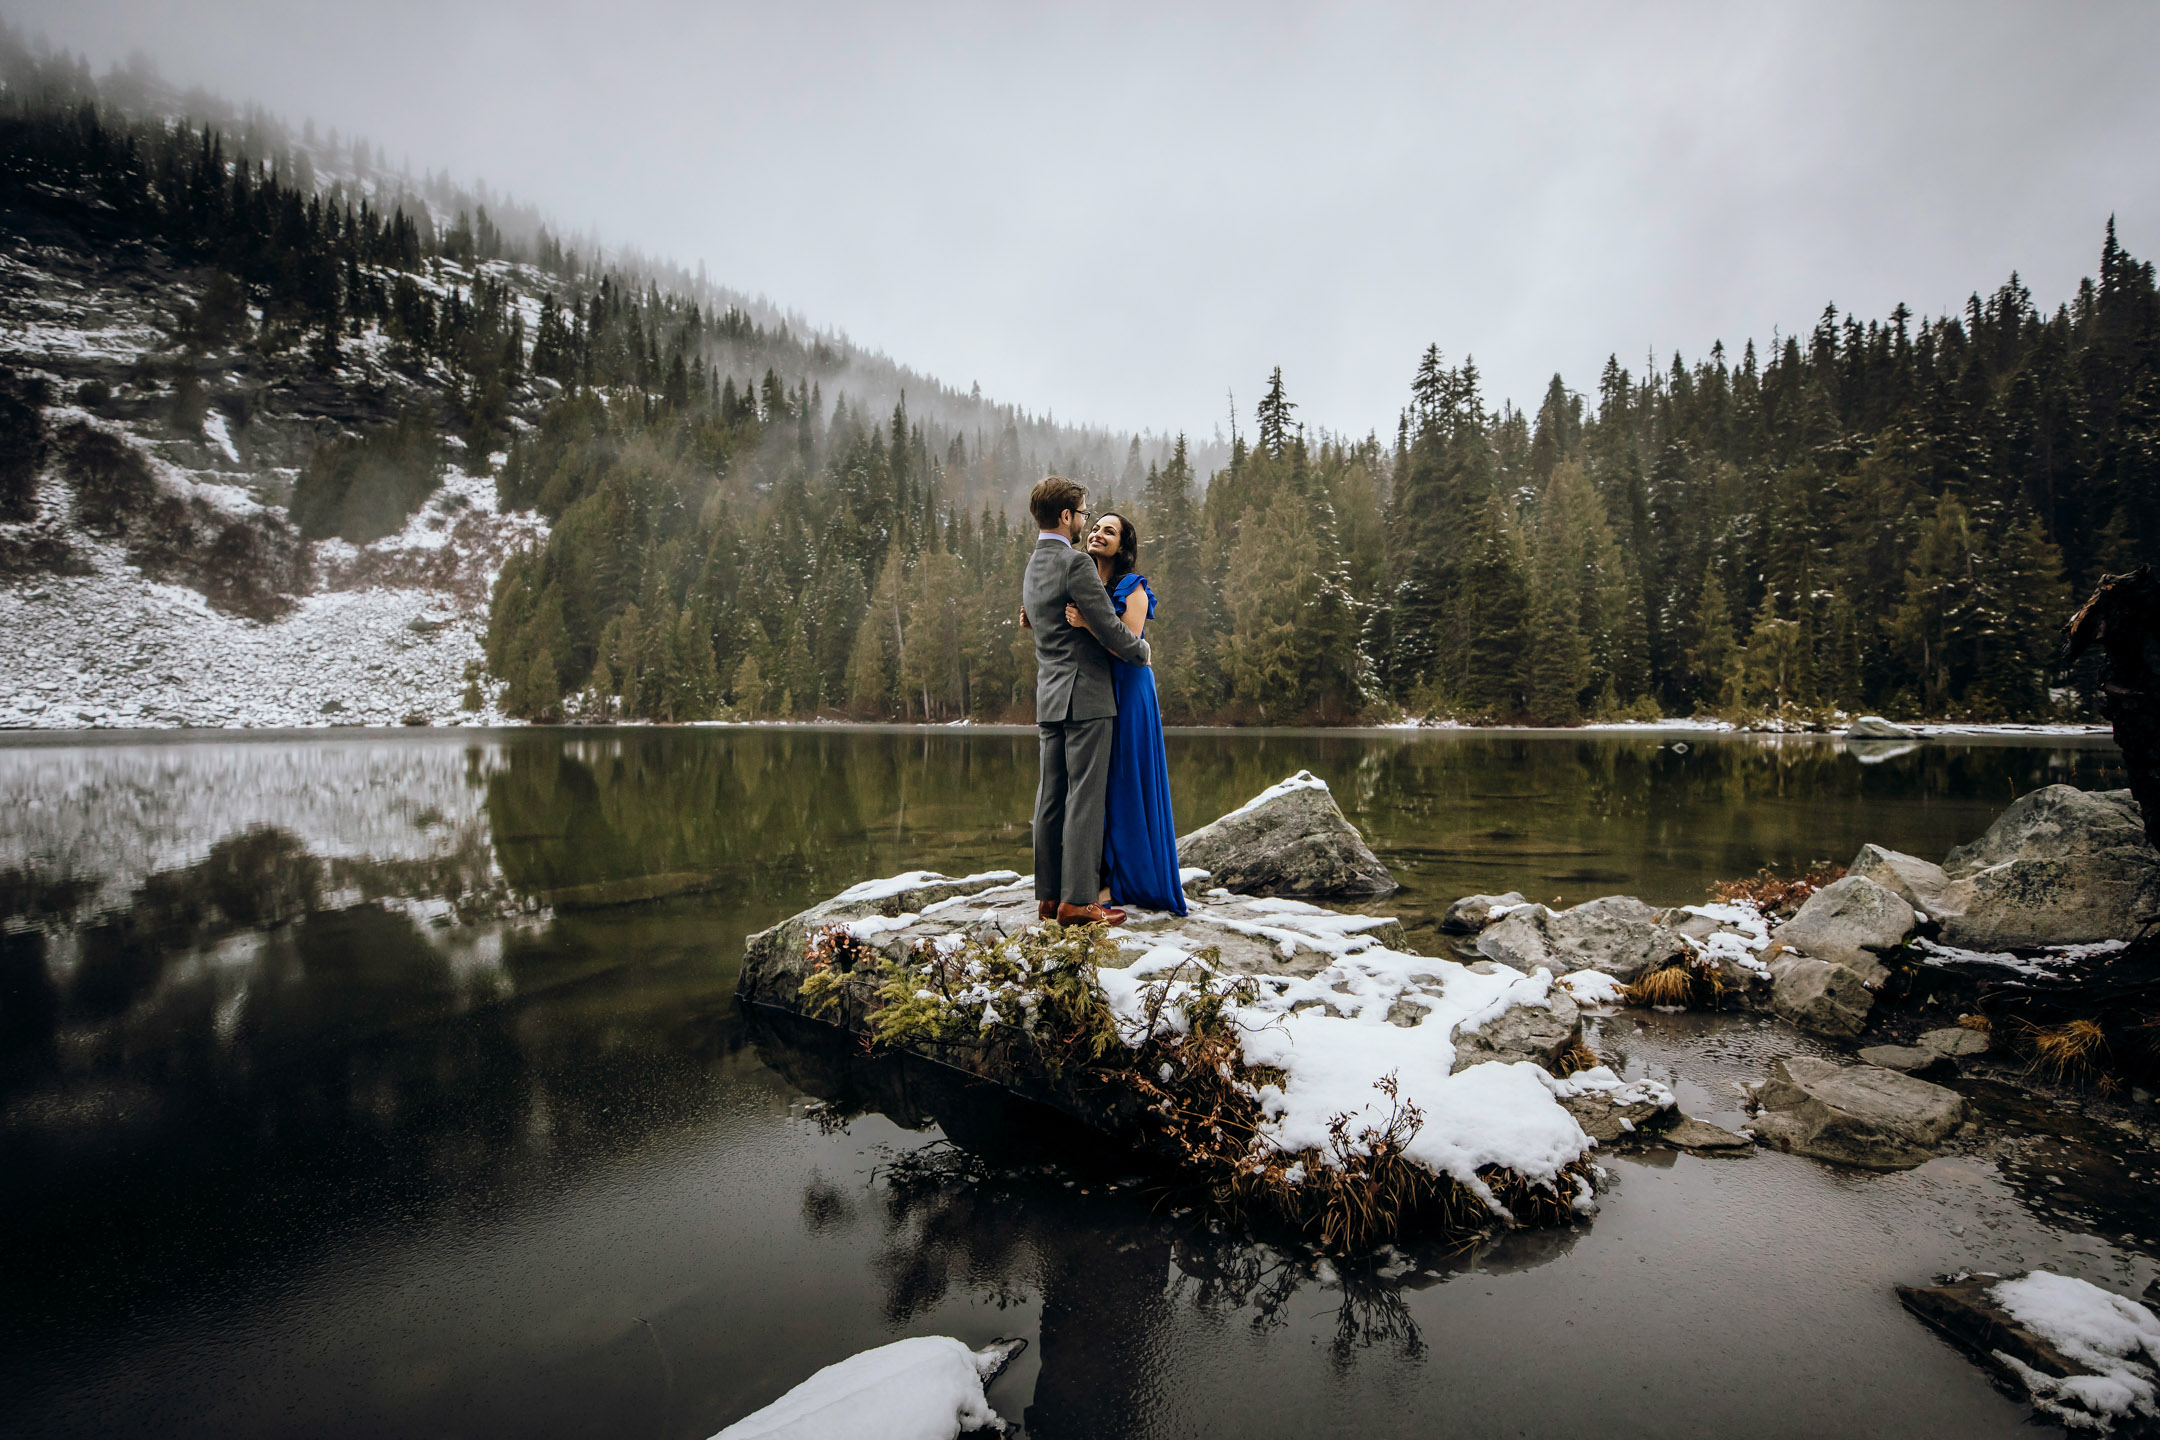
<point x="1103" y="832"/>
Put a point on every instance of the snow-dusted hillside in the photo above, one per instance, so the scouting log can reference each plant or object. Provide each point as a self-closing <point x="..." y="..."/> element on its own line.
<point x="381" y="634"/>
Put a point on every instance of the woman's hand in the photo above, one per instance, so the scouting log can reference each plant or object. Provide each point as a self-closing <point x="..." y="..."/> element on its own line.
<point x="1025" y="623"/>
<point x="1072" y="616"/>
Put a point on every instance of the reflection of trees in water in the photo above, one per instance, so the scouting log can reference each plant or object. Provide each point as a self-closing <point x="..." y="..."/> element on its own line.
<point x="786" y="812"/>
<point x="1582" y="815"/>
<point x="224" y="1068"/>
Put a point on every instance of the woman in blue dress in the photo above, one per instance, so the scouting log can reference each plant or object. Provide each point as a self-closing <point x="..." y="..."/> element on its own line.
<point x="1140" y="857"/>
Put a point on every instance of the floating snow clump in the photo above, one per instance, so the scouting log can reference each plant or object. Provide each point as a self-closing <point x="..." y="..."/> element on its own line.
<point x="926" y="1388"/>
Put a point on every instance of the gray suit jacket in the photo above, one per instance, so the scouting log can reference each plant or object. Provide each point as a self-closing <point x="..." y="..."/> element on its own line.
<point x="1072" y="667"/>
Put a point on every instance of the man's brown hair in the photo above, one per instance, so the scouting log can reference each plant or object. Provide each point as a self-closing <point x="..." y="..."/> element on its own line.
<point x="1053" y="496"/>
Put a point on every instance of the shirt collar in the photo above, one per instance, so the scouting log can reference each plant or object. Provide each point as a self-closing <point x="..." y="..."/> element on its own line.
<point x="1042" y="535"/>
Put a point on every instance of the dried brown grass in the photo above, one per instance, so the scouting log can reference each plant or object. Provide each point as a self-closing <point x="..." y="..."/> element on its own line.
<point x="1683" y="984"/>
<point x="2070" y="1053"/>
<point x="1774" y="894"/>
<point x="1577" y="1056"/>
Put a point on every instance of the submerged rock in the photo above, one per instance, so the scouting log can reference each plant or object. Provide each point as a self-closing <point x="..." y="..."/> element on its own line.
<point x="1820" y="995"/>
<point x="1874" y="727"/>
<point x="1850" y="922"/>
<point x="1473" y="913"/>
<point x="1617" y="934"/>
<point x="1688" y="1133"/>
<point x="1290" y="839"/>
<point x="2087" y="1356"/>
<point x="1919" y="883"/>
<point x="1855" y="1114"/>
<point x="2061" y="866"/>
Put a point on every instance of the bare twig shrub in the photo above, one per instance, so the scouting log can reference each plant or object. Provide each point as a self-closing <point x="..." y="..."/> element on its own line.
<point x="1778" y="895"/>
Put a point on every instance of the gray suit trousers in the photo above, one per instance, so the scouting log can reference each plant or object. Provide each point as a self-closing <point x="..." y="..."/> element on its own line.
<point x="1069" y="809"/>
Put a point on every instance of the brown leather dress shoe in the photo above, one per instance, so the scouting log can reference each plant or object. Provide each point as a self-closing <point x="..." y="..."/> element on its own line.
<point x="1046" y="909"/>
<point x="1089" y="914"/>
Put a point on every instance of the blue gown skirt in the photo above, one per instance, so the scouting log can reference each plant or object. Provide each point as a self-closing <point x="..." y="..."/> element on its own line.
<point x="1140" y="839"/>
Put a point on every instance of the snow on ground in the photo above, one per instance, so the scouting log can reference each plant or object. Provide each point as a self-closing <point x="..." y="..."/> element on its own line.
<point x="1339" y="1031"/>
<point x="926" y="1388"/>
<point x="2117" y="1339"/>
<point x="390" y="636"/>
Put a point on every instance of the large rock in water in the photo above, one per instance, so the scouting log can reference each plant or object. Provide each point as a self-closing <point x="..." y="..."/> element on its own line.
<point x="1874" y="727"/>
<point x="1855" y="1114"/>
<point x="1850" y="922"/>
<point x="1290" y="839"/>
<point x="2061" y="866"/>
<point x="1617" y="934"/>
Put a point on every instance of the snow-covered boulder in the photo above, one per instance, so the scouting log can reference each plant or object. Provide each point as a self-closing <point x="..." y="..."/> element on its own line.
<point x="1473" y="913"/>
<point x="1315" y="1035"/>
<point x="1855" y="1114"/>
<point x="1290" y="839"/>
<point x="1819" y="995"/>
<point x="2087" y="1357"/>
<point x="1874" y="727"/>
<point x="926" y="1388"/>
<point x="1616" y="934"/>
<point x="1850" y="922"/>
<point x="1919" y="883"/>
<point x="2061" y="866"/>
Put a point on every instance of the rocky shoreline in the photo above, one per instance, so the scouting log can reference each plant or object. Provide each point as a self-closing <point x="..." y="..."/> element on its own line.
<point x="1305" y="1068"/>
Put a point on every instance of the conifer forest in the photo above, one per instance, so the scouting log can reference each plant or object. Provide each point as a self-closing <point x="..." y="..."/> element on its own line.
<point x="1886" y="513"/>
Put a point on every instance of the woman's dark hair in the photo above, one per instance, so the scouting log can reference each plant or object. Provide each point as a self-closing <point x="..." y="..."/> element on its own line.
<point x="1126" y="558"/>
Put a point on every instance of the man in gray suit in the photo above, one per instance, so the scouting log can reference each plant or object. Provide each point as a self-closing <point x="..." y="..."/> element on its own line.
<point x="1075" y="706"/>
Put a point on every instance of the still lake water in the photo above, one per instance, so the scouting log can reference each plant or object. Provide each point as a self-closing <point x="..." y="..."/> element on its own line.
<point x="338" y="1096"/>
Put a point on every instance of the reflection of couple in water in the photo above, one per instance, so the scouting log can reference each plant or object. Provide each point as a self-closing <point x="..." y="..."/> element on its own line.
<point x="1103" y="833"/>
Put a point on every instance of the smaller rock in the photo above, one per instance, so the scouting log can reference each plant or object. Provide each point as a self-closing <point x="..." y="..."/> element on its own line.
<point x="1818" y="996"/>
<point x="1855" y="1114"/>
<point x="1850" y="922"/>
<point x="1523" y="1032"/>
<point x="1473" y="913"/>
<point x="1617" y="934"/>
<point x="1920" y="883"/>
<point x="1954" y="1040"/>
<point x="1606" y="1122"/>
<point x="1874" y="727"/>
<point x="1908" y="1059"/>
<point x="1688" y="1133"/>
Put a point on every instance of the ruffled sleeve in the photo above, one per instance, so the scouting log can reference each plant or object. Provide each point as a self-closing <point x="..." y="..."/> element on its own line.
<point x="1122" y="591"/>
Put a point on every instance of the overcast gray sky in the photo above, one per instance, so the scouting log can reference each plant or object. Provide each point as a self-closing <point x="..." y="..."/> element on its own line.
<point x="1118" y="212"/>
